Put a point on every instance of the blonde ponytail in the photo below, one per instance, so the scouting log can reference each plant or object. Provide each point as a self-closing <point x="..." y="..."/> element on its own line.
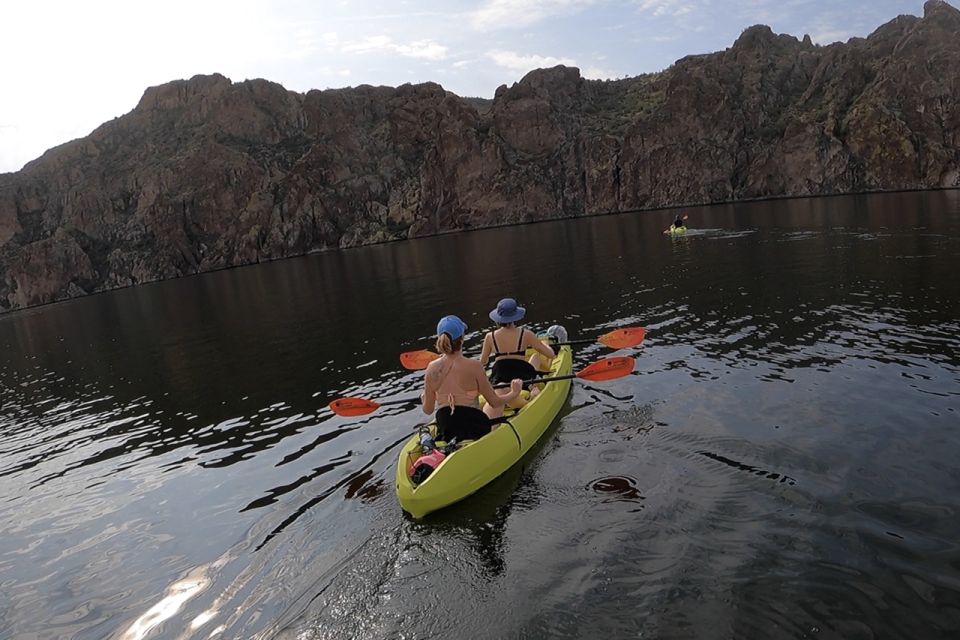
<point x="447" y="346"/>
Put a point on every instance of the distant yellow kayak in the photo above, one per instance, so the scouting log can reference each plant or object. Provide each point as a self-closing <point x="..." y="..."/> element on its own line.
<point x="677" y="230"/>
<point x="478" y="462"/>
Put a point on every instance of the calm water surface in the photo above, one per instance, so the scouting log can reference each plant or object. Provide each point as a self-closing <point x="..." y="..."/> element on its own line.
<point x="783" y="463"/>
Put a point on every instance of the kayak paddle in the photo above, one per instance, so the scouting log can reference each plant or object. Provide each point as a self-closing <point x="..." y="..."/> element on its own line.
<point x="600" y="371"/>
<point x="622" y="338"/>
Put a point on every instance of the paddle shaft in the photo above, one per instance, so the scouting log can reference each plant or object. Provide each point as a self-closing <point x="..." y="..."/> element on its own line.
<point x="572" y="342"/>
<point x="600" y="371"/>
<point x="551" y="344"/>
<point x="505" y="385"/>
<point x="400" y="401"/>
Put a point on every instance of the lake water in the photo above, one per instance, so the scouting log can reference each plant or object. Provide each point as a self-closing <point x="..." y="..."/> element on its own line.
<point x="783" y="463"/>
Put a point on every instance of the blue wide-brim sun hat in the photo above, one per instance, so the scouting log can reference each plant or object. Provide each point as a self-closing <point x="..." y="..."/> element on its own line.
<point x="507" y="311"/>
<point x="452" y="326"/>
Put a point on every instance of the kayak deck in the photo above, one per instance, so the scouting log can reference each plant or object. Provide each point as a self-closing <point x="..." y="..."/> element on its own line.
<point x="478" y="462"/>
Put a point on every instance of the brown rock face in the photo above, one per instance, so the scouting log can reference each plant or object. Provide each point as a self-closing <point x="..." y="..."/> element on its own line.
<point x="206" y="173"/>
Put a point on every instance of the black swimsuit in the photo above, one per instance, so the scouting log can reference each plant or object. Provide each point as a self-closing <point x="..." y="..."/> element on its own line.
<point x="466" y="423"/>
<point x="506" y="369"/>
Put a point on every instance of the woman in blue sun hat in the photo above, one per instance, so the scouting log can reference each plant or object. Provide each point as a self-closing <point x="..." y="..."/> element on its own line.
<point x="507" y="345"/>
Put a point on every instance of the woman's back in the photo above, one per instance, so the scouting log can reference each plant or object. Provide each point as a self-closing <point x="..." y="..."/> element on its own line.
<point x="454" y="379"/>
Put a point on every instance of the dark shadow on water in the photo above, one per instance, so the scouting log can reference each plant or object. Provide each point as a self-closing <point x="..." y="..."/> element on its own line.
<point x="772" y="475"/>
<point x="307" y="506"/>
<point x="618" y="489"/>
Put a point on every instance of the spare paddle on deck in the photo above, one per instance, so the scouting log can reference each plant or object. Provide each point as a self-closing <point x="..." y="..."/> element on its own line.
<point x="599" y="371"/>
<point x="623" y="338"/>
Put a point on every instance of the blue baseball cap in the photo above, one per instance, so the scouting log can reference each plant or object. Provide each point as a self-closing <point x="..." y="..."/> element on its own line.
<point x="452" y="326"/>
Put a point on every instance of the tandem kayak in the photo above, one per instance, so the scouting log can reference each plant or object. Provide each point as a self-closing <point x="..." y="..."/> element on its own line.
<point x="476" y="463"/>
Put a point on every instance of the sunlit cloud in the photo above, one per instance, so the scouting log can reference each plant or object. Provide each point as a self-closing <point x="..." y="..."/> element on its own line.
<point x="523" y="63"/>
<point x="500" y="14"/>
<point x="658" y="8"/>
<point x="330" y="39"/>
<point x="831" y="35"/>
<point x="368" y="44"/>
<point x="425" y="49"/>
<point x="597" y="73"/>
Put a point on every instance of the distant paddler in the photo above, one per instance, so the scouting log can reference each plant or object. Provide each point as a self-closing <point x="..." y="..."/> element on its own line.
<point x="678" y="226"/>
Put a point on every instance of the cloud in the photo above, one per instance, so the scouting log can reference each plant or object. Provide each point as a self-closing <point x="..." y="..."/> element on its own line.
<point x="523" y="63"/>
<point x="674" y="8"/>
<point x="368" y="45"/>
<point x="500" y="14"/>
<point x="596" y="73"/>
<point x="330" y="39"/>
<point x="424" y="49"/>
<point x="829" y="36"/>
<point x="427" y="49"/>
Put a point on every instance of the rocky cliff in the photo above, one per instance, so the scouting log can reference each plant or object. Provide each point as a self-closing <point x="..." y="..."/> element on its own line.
<point x="206" y="173"/>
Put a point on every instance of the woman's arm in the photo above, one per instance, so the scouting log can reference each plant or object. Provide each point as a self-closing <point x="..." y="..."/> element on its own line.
<point x="490" y="394"/>
<point x="429" y="396"/>
<point x="532" y="341"/>
<point x="486" y="350"/>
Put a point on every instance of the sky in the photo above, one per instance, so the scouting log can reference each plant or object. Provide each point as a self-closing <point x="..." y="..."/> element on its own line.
<point x="70" y="65"/>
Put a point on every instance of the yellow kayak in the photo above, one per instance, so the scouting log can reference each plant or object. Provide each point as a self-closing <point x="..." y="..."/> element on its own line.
<point x="478" y="462"/>
<point x="677" y="230"/>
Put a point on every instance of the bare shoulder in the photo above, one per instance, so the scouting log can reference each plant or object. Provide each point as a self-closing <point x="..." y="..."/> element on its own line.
<point x="433" y="370"/>
<point x="475" y="367"/>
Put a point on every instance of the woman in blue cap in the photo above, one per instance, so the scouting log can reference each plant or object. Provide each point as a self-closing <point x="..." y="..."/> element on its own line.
<point x="507" y="345"/>
<point x="455" y="383"/>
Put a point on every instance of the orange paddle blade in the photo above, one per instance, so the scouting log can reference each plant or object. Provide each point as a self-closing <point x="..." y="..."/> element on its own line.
<point x="623" y="338"/>
<point x="416" y="360"/>
<point x="351" y="407"/>
<point x="607" y="369"/>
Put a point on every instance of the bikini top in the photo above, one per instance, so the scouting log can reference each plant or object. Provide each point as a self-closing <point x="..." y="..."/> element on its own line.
<point x="496" y="349"/>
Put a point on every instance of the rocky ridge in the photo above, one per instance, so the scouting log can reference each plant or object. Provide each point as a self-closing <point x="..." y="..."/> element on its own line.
<point x="205" y="173"/>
